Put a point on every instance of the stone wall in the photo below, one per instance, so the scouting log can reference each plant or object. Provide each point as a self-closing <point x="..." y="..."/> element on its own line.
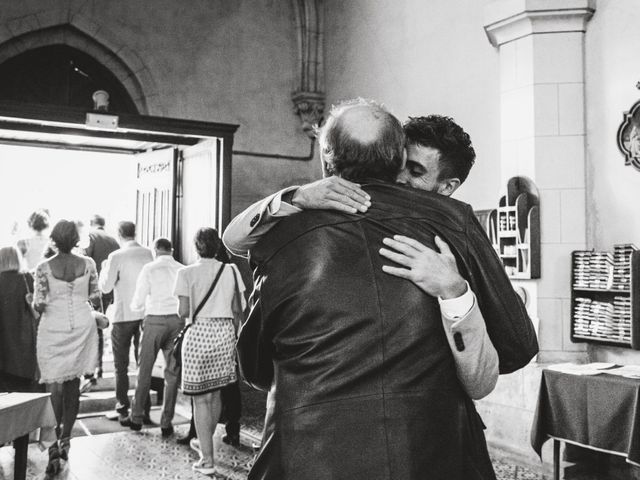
<point x="231" y="61"/>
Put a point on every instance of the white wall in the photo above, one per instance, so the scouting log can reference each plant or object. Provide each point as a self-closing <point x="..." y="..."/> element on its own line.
<point x="613" y="189"/>
<point x="612" y="70"/>
<point x="417" y="58"/>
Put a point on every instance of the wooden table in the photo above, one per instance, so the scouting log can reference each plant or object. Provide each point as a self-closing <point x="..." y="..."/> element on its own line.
<point x="20" y="414"/>
<point x="599" y="412"/>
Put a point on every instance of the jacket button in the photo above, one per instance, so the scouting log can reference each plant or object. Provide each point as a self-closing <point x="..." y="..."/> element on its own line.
<point x="254" y="220"/>
<point x="457" y="338"/>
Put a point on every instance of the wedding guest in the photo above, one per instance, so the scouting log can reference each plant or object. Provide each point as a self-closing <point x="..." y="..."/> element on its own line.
<point x="119" y="274"/>
<point x="231" y="401"/>
<point x="66" y="346"/>
<point x="18" y="365"/>
<point x="210" y="293"/>
<point x="32" y="248"/>
<point x="100" y="246"/>
<point x="154" y="295"/>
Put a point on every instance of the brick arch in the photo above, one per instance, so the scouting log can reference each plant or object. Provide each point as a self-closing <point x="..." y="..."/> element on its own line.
<point x="59" y="27"/>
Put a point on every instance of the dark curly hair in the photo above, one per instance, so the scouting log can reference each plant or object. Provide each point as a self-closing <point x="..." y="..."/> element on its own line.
<point x="65" y="235"/>
<point x="207" y="242"/>
<point x="370" y="148"/>
<point x="38" y="220"/>
<point x="457" y="155"/>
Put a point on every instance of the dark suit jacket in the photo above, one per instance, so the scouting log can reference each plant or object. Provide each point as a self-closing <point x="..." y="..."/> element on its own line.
<point x="365" y="382"/>
<point x="100" y="246"/>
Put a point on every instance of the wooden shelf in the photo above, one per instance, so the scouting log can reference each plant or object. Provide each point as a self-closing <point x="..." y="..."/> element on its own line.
<point x="605" y="298"/>
<point x="516" y="223"/>
<point x="601" y="290"/>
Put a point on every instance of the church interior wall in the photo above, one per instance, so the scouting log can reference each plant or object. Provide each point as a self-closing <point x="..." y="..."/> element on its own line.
<point x="418" y="58"/>
<point x="613" y="189"/>
<point x="231" y="61"/>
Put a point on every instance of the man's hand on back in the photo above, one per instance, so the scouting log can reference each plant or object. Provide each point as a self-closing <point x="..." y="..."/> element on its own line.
<point x="332" y="193"/>
<point x="435" y="273"/>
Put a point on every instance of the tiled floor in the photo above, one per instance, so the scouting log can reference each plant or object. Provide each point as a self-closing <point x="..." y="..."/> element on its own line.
<point x="147" y="456"/>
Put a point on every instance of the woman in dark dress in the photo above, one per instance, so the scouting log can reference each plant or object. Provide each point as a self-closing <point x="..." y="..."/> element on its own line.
<point x="18" y="363"/>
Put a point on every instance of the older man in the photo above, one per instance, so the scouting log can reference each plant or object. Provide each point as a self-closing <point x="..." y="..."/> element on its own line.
<point x="365" y="384"/>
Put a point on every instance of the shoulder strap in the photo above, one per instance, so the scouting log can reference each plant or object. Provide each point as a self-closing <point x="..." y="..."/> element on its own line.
<point x="206" y="297"/>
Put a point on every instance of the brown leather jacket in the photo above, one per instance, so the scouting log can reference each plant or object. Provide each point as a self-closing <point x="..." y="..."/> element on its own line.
<point x="365" y="383"/>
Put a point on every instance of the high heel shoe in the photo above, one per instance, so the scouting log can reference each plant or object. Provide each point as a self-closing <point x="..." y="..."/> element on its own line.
<point x="65" y="445"/>
<point x="53" y="467"/>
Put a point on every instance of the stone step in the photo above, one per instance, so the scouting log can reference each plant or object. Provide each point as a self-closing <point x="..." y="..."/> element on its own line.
<point x="108" y="382"/>
<point x="102" y="401"/>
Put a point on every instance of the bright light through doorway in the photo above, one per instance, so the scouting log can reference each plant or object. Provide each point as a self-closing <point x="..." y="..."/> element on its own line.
<point x="71" y="184"/>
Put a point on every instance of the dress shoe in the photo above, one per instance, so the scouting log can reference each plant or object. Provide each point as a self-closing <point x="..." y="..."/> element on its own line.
<point x="146" y="420"/>
<point x="127" y="422"/>
<point x="233" y="440"/>
<point x="185" y="440"/>
<point x="166" y="431"/>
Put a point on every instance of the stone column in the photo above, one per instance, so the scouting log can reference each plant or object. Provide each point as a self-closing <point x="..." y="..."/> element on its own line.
<point x="541" y="45"/>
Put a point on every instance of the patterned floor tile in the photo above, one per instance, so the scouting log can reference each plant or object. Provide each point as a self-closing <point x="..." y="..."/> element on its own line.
<point x="146" y="455"/>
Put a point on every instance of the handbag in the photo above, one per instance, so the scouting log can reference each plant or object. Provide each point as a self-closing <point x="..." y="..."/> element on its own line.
<point x="177" y="342"/>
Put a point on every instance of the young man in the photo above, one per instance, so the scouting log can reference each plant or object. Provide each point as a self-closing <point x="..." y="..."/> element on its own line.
<point x="154" y="295"/>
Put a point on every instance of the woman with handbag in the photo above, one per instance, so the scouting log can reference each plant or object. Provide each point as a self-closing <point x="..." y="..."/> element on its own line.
<point x="67" y="346"/>
<point x="212" y="290"/>
<point x="18" y="365"/>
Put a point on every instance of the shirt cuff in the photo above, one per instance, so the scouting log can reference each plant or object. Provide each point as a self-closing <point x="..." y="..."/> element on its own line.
<point x="278" y="208"/>
<point x="459" y="306"/>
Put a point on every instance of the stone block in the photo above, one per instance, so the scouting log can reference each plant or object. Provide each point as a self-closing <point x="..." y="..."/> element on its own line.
<point x="508" y="391"/>
<point x="573" y="215"/>
<point x="550" y="227"/>
<point x="51" y="18"/>
<point x="545" y="109"/>
<point x="524" y="61"/>
<point x="526" y="157"/>
<point x="508" y="67"/>
<point x="560" y="162"/>
<point x="550" y="330"/>
<point x="531" y="376"/>
<point x="571" y="109"/>
<point x="556" y="269"/>
<point x="558" y="58"/>
<point x="517" y="114"/>
<point x="508" y="157"/>
<point x="22" y="25"/>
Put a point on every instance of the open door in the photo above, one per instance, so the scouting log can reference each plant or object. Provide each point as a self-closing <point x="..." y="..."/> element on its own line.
<point x="199" y="194"/>
<point x="156" y="196"/>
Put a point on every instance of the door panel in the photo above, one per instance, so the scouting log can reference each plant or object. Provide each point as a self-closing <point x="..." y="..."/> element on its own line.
<point x="155" y="202"/>
<point x="200" y="190"/>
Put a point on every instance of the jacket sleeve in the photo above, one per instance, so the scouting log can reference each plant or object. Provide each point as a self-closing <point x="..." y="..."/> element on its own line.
<point x="475" y="357"/>
<point x="255" y="351"/>
<point x="109" y="274"/>
<point x="248" y="227"/>
<point x="508" y="324"/>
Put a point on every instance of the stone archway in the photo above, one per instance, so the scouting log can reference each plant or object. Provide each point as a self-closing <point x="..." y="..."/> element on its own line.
<point x="63" y="27"/>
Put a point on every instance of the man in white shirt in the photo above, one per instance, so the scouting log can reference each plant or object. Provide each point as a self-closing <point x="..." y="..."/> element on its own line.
<point x="154" y="295"/>
<point x="120" y="273"/>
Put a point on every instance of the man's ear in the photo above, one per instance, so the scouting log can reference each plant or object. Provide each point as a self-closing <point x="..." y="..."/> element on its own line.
<point x="404" y="159"/>
<point x="448" y="186"/>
